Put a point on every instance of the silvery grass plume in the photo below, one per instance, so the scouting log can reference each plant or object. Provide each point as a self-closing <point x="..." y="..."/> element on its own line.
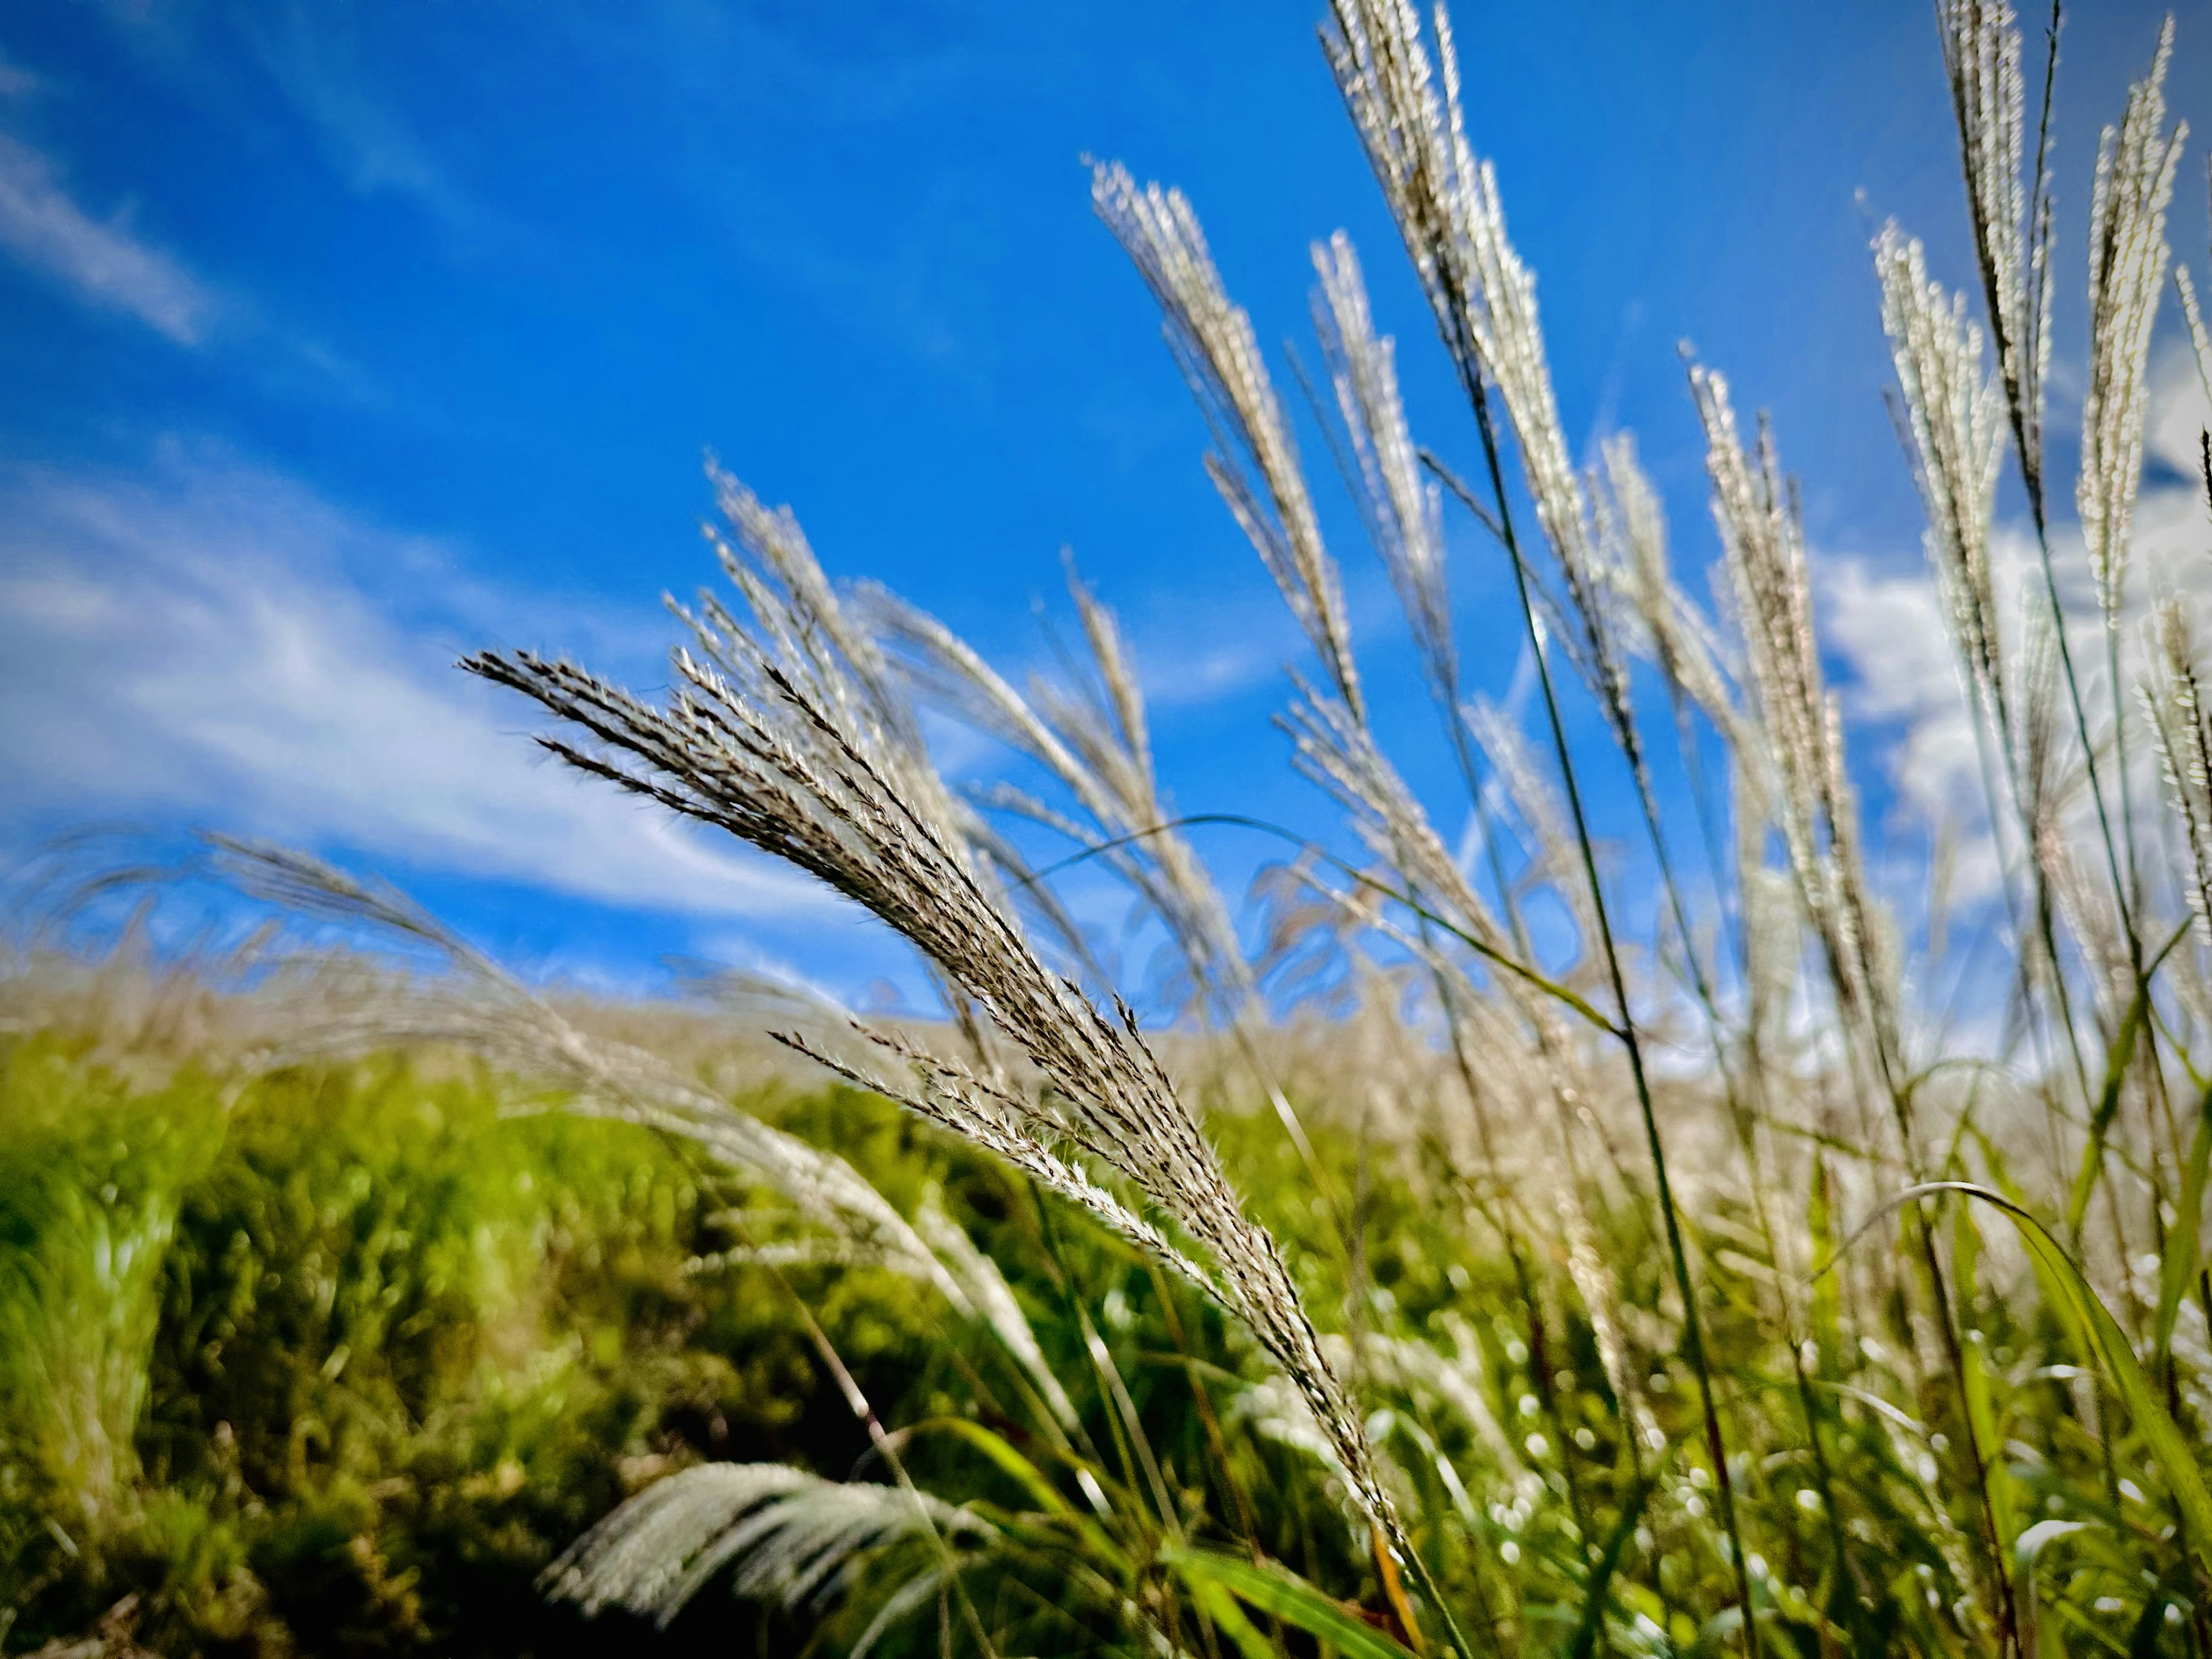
<point x="1401" y="508"/>
<point x="1952" y="424"/>
<point x="2011" y="217"/>
<point x="2200" y="338"/>
<point x="1416" y="145"/>
<point x="1672" y="631"/>
<point x="1497" y="316"/>
<point x="1448" y="211"/>
<point x="2045" y="781"/>
<point x="1954" y="435"/>
<point x="770" y="741"/>
<point x="2094" y="921"/>
<point x="794" y="1539"/>
<point x="2173" y="697"/>
<point x="1332" y="750"/>
<point x="1095" y="742"/>
<point x="1094" y="739"/>
<point x="1214" y="344"/>
<point x="1660" y="620"/>
<point x="1339" y="755"/>
<point x="1162" y="235"/>
<point x="1764" y="545"/>
<point x="1105" y="724"/>
<point x="825" y="652"/>
<point x="1765" y="552"/>
<point x="1212" y="341"/>
<point x="486" y="1011"/>
<point x="2051" y="780"/>
<point x="1768" y="926"/>
<point x="2128" y="257"/>
<point x="830" y="652"/>
<point x="1403" y="513"/>
<point x="1447" y="208"/>
<point x="1546" y="837"/>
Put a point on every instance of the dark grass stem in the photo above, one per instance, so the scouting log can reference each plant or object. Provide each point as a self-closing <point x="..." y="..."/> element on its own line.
<point x="1693" y="1342"/>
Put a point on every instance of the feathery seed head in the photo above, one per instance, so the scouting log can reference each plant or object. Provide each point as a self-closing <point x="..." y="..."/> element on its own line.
<point x="2174" y="698"/>
<point x="2127" y="256"/>
<point x="1657" y="617"/>
<point x="784" y="745"/>
<point x="1954" y="433"/>
<point x="2011" y="218"/>
<point x="1402" y="509"/>
<point x="794" y="1538"/>
<point x="1254" y="463"/>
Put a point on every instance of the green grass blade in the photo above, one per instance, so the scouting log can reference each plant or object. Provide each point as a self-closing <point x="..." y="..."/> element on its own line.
<point x="1002" y="1456"/>
<point x="2150" y="1624"/>
<point x="1827" y="1297"/>
<point x="1600" y="1578"/>
<point x="2184" y="1246"/>
<point x="2118" y="1057"/>
<point x="1009" y="1462"/>
<point x="1273" y="1588"/>
<point x="1213" y="1599"/>
<point x="1980" y="1393"/>
<point x="2104" y="1340"/>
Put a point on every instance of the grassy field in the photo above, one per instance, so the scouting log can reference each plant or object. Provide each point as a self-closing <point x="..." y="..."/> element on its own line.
<point x="338" y="1356"/>
<point x="337" y="1359"/>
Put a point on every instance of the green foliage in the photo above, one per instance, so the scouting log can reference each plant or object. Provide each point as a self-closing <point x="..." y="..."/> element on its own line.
<point x="336" y="1360"/>
<point x="91" y="1181"/>
<point x="392" y="1350"/>
<point x="1275" y="1589"/>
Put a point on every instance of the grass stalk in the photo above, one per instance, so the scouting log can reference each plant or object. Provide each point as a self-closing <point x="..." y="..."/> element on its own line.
<point x="1693" y="1326"/>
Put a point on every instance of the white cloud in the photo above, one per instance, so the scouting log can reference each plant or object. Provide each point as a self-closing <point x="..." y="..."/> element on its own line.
<point x="101" y="261"/>
<point x="16" y="81"/>
<point x="188" y="644"/>
<point x="312" y="55"/>
<point x="2180" y="411"/>
<point x="1888" y="626"/>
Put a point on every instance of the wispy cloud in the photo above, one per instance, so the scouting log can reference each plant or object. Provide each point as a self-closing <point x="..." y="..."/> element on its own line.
<point x="190" y="645"/>
<point x="100" y="261"/>
<point x="16" y="81"/>
<point x="311" y="55"/>
<point x="315" y="59"/>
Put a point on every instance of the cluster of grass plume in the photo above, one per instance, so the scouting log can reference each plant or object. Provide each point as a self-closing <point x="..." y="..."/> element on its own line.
<point x="1471" y="1328"/>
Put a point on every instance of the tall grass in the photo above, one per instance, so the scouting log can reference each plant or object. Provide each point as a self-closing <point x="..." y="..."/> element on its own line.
<point x="1834" y="1334"/>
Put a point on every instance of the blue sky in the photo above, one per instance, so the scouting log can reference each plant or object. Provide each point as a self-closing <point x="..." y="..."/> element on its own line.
<point x="340" y="338"/>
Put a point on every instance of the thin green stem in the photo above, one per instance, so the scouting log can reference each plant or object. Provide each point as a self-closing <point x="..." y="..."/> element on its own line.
<point x="1693" y="1340"/>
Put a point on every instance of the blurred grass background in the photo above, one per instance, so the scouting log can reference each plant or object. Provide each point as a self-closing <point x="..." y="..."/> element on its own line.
<point x="335" y="1359"/>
